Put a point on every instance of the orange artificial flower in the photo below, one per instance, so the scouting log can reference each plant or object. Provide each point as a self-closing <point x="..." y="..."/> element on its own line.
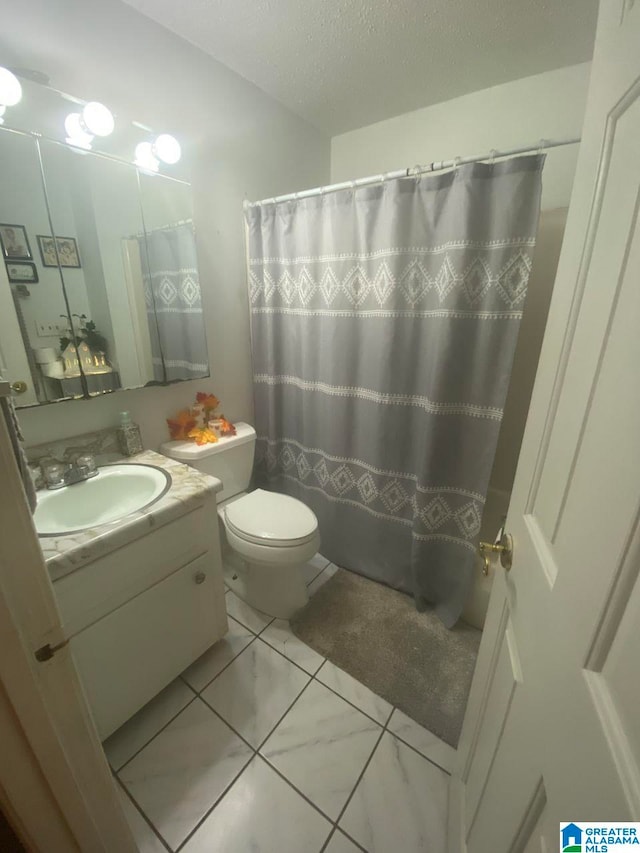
<point x="226" y="427"/>
<point x="203" y="435"/>
<point x="208" y="401"/>
<point x="180" y="426"/>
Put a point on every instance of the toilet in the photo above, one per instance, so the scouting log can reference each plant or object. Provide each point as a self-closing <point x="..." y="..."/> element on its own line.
<point x="266" y="537"/>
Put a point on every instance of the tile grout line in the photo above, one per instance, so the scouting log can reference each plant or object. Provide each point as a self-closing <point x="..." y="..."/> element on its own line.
<point x="335" y="830"/>
<point x="299" y="792"/>
<point x="161" y="729"/>
<point x="228" y="725"/>
<point x="255" y="753"/>
<point x="348" y="701"/>
<point x="417" y="751"/>
<point x="143" y="814"/>
<point x="273" y="728"/>
<point x="226" y="666"/>
<point x="353" y="790"/>
<point x="314" y="677"/>
<point x="217" y="801"/>
<point x="258" y="754"/>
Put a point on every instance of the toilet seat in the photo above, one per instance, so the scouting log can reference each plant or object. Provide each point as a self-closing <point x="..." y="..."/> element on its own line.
<point x="271" y="519"/>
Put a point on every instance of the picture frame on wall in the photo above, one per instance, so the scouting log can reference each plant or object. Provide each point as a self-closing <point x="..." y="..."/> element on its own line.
<point x="15" y="243"/>
<point x="22" y="272"/>
<point x="67" y="251"/>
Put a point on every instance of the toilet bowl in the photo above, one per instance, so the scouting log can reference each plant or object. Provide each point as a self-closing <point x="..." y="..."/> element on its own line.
<point x="266" y="537"/>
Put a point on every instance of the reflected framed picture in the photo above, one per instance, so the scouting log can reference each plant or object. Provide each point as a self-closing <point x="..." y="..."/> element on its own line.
<point x="67" y="251"/>
<point x="22" y="272"/>
<point x="15" y="243"/>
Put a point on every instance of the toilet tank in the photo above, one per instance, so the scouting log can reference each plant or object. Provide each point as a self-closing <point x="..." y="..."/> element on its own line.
<point x="230" y="459"/>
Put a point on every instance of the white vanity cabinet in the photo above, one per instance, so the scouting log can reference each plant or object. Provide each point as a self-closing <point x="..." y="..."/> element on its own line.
<point x="140" y="615"/>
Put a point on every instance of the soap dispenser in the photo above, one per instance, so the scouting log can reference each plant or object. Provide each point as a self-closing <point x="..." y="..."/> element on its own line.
<point x="129" y="439"/>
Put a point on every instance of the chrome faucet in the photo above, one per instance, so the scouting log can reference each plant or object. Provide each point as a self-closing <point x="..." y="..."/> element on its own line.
<point x="57" y="475"/>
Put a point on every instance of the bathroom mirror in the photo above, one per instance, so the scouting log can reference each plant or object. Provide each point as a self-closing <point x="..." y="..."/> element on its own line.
<point x="107" y="293"/>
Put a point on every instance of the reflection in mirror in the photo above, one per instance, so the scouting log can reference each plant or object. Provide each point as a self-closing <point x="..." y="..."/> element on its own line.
<point x="33" y="312"/>
<point x="94" y="206"/>
<point x="171" y="280"/>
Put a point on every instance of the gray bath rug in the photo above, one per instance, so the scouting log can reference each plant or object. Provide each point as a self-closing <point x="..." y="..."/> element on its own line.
<point x="410" y="659"/>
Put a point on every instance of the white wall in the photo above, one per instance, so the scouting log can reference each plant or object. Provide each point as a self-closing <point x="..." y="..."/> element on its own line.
<point x="549" y="105"/>
<point x="238" y="142"/>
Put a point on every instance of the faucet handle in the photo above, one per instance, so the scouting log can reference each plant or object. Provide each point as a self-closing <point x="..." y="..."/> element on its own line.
<point x="86" y="463"/>
<point x="54" y="474"/>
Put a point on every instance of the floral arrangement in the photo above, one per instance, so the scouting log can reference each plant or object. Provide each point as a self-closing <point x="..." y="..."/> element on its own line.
<point x="200" y="422"/>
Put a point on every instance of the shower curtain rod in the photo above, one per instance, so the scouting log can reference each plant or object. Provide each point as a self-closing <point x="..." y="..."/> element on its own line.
<point x="436" y="166"/>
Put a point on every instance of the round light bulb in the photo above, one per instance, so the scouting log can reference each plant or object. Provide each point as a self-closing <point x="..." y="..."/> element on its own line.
<point x="167" y="148"/>
<point x="10" y="88"/>
<point x="145" y="158"/>
<point x="76" y="132"/>
<point x="98" y="119"/>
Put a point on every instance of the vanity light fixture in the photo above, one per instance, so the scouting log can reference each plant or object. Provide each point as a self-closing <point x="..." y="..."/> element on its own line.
<point x="145" y="158"/>
<point x="164" y="149"/>
<point x="10" y="91"/>
<point x="94" y="120"/>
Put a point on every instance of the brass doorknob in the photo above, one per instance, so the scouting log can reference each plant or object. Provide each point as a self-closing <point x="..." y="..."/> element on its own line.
<point x="504" y="548"/>
<point x="19" y="387"/>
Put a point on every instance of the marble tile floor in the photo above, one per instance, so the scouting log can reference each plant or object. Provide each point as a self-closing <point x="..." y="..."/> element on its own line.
<point x="262" y="745"/>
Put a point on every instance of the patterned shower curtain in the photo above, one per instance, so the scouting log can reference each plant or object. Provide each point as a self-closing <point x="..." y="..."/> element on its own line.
<point x="384" y="323"/>
<point x="174" y="303"/>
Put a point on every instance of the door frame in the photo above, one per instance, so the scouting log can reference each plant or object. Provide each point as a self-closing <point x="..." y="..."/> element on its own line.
<point x="55" y="783"/>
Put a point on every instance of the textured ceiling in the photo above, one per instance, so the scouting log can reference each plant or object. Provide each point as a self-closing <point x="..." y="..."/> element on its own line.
<point x="342" y="64"/>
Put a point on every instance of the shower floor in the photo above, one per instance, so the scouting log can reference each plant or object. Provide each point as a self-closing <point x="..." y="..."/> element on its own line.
<point x="409" y="658"/>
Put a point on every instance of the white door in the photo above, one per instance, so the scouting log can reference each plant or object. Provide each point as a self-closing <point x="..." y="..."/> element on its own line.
<point x="552" y="730"/>
<point x="74" y="780"/>
<point x="14" y="366"/>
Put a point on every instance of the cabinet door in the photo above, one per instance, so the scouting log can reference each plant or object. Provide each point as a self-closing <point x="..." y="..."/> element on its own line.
<point x="127" y="657"/>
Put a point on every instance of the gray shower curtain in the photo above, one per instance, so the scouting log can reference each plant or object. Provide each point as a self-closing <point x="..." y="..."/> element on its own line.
<point x="174" y="304"/>
<point x="384" y="322"/>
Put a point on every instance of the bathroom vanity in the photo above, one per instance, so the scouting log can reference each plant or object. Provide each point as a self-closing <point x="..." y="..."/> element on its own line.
<point x="142" y="597"/>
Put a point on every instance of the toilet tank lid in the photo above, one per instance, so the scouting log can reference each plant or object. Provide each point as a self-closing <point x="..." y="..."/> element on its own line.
<point x="189" y="451"/>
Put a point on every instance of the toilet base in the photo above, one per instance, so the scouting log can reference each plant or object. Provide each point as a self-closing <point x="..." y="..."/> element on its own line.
<point x="273" y="589"/>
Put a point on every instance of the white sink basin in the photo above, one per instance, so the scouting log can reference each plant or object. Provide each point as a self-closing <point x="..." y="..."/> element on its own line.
<point x="116" y="491"/>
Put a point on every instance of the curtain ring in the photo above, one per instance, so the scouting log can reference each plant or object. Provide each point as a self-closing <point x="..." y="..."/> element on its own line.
<point x="456" y="162"/>
<point x="493" y="154"/>
<point x="352" y="185"/>
<point x="542" y="145"/>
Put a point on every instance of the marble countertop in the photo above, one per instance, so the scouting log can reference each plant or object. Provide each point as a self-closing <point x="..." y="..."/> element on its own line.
<point x="189" y="489"/>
